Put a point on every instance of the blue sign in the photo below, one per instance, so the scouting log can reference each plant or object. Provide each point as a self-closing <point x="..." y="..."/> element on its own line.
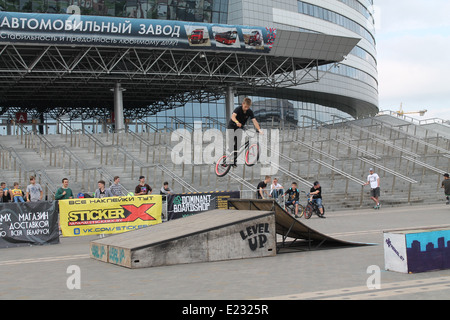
<point x="75" y="30"/>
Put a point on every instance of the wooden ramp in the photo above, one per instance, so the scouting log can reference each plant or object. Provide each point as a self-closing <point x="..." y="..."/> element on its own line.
<point x="210" y="236"/>
<point x="289" y="227"/>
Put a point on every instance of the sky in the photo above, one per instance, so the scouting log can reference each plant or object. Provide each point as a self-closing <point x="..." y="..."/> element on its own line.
<point x="413" y="53"/>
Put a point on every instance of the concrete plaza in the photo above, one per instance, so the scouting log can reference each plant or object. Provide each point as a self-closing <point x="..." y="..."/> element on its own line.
<point x="43" y="272"/>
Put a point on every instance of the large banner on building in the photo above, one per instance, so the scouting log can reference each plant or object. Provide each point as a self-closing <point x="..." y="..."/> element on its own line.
<point x="187" y="204"/>
<point x="30" y="223"/>
<point x="91" y="216"/>
<point x="76" y="29"/>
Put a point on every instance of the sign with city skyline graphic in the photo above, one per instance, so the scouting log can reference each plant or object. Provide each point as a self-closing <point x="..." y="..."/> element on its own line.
<point x="417" y="250"/>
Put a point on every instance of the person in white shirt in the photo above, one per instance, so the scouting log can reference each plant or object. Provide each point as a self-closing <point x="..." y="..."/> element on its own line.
<point x="374" y="180"/>
<point x="276" y="189"/>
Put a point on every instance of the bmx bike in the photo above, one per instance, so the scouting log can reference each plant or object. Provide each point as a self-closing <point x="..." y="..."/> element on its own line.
<point x="290" y="208"/>
<point x="312" y="207"/>
<point x="252" y="152"/>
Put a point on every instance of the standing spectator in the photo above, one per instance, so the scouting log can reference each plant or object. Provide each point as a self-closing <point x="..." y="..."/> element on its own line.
<point x="446" y="186"/>
<point x="374" y="180"/>
<point x="16" y="193"/>
<point x="102" y="192"/>
<point x="34" y="191"/>
<point x="276" y="189"/>
<point x="261" y="188"/>
<point x="6" y="196"/>
<point x="142" y="188"/>
<point x="64" y="192"/>
<point x="116" y="187"/>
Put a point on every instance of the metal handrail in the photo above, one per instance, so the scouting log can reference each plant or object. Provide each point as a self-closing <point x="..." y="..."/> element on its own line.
<point x="163" y="168"/>
<point x="238" y="179"/>
<point x="413" y="137"/>
<point x="292" y="175"/>
<point x="425" y="165"/>
<point x="399" y="175"/>
<point x="358" y="149"/>
<point x="413" y="120"/>
<point x="339" y="171"/>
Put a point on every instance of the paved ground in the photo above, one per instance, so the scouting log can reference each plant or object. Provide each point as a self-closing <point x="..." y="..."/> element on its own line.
<point x="42" y="272"/>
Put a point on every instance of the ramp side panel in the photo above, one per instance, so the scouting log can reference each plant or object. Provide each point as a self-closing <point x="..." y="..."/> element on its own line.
<point x="180" y="228"/>
<point x="210" y="236"/>
<point x="190" y="249"/>
<point x="119" y="256"/>
<point x="255" y="238"/>
<point x="99" y="251"/>
<point x="252" y="239"/>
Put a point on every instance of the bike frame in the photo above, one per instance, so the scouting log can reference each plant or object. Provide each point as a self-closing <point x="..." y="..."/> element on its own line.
<point x="243" y="147"/>
<point x="231" y="155"/>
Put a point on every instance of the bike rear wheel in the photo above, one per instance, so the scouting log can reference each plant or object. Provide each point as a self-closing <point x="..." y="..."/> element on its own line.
<point x="252" y="155"/>
<point x="223" y="166"/>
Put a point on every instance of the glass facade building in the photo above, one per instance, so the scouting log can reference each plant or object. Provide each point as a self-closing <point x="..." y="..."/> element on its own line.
<point x="349" y="89"/>
<point x="208" y="11"/>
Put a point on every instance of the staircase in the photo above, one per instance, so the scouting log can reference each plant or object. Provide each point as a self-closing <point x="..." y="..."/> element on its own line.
<point x="409" y="158"/>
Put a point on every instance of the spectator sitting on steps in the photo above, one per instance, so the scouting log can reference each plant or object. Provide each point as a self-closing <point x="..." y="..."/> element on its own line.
<point x="16" y="193"/>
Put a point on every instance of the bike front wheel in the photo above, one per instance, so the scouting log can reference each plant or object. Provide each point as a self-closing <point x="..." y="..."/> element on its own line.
<point x="309" y="210"/>
<point x="301" y="211"/>
<point x="252" y="155"/>
<point x="223" y="166"/>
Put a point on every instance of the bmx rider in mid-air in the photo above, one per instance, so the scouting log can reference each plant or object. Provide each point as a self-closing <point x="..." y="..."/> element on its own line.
<point x="238" y="120"/>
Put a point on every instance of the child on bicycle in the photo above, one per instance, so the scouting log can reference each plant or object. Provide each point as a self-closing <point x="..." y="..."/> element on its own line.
<point x="238" y="120"/>
<point x="316" y="197"/>
<point x="293" y="197"/>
